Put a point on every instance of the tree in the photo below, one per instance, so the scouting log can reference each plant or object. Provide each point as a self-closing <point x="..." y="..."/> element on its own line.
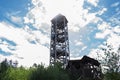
<point x="111" y="62"/>
<point x="3" y="68"/>
<point x="36" y="72"/>
<point x="48" y="73"/>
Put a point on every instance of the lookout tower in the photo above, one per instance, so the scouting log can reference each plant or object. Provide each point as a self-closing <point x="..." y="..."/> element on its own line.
<point x="59" y="45"/>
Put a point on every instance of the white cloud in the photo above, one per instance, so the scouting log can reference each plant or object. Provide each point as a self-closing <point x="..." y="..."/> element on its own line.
<point x="105" y="30"/>
<point x="78" y="43"/>
<point x="37" y="2"/>
<point x="43" y="38"/>
<point x="4" y="48"/>
<point x="75" y="58"/>
<point x="115" y="19"/>
<point x="96" y="54"/>
<point x="1" y="58"/>
<point x="117" y="29"/>
<point x="84" y="48"/>
<point x="102" y="35"/>
<point x="93" y="53"/>
<point x="31" y="53"/>
<point x="96" y="20"/>
<point x="93" y="2"/>
<point x="103" y="26"/>
<point x="11" y="33"/>
<point x="114" y="40"/>
<point x="115" y="4"/>
<point x="26" y="20"/>
<point x="73" y="10"/>
<point x="102" y="11"/>
<point x="74" y="29"/>
<point x="16" y="19"/>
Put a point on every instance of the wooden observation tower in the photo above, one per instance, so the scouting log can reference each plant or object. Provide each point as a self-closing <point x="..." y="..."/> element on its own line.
<point x="59" y="45"/>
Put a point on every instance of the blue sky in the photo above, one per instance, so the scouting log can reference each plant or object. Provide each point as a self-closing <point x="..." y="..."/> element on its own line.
<point x="14" y="6"/>
<point x="25" y="27"/>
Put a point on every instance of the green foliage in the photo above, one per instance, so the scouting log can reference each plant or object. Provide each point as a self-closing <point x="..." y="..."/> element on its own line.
<point x="16" y="74"/>
<point x="36" y="72"/>
<point x="9" y="72"/>
<point x="111" y="62"/>
<point x="112" y="76"/>
<point x="3" y="69"/>
<point x="49" y="73"/>
<point x="111" y="59"/>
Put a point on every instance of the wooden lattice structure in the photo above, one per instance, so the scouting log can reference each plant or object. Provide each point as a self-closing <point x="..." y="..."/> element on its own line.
<point x="85" y="69"/>
<point x="59" y="44"/>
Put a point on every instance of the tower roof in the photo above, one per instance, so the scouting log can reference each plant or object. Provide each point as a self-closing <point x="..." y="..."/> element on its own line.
<point x="59" y="19"/>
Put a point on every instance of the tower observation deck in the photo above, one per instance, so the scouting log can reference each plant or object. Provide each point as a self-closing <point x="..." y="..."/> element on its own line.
<point x="59" y="45"/>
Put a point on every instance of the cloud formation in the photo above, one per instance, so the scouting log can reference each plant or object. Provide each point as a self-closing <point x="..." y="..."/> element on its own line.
<point x="25" y="52"/>
<point x="88" y="25"/>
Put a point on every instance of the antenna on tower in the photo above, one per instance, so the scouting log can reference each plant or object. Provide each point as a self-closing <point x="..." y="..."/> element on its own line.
<point x="59" y="45"/>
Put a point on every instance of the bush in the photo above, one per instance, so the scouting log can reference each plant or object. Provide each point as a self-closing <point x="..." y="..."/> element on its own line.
<point x="49" y="73"/>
